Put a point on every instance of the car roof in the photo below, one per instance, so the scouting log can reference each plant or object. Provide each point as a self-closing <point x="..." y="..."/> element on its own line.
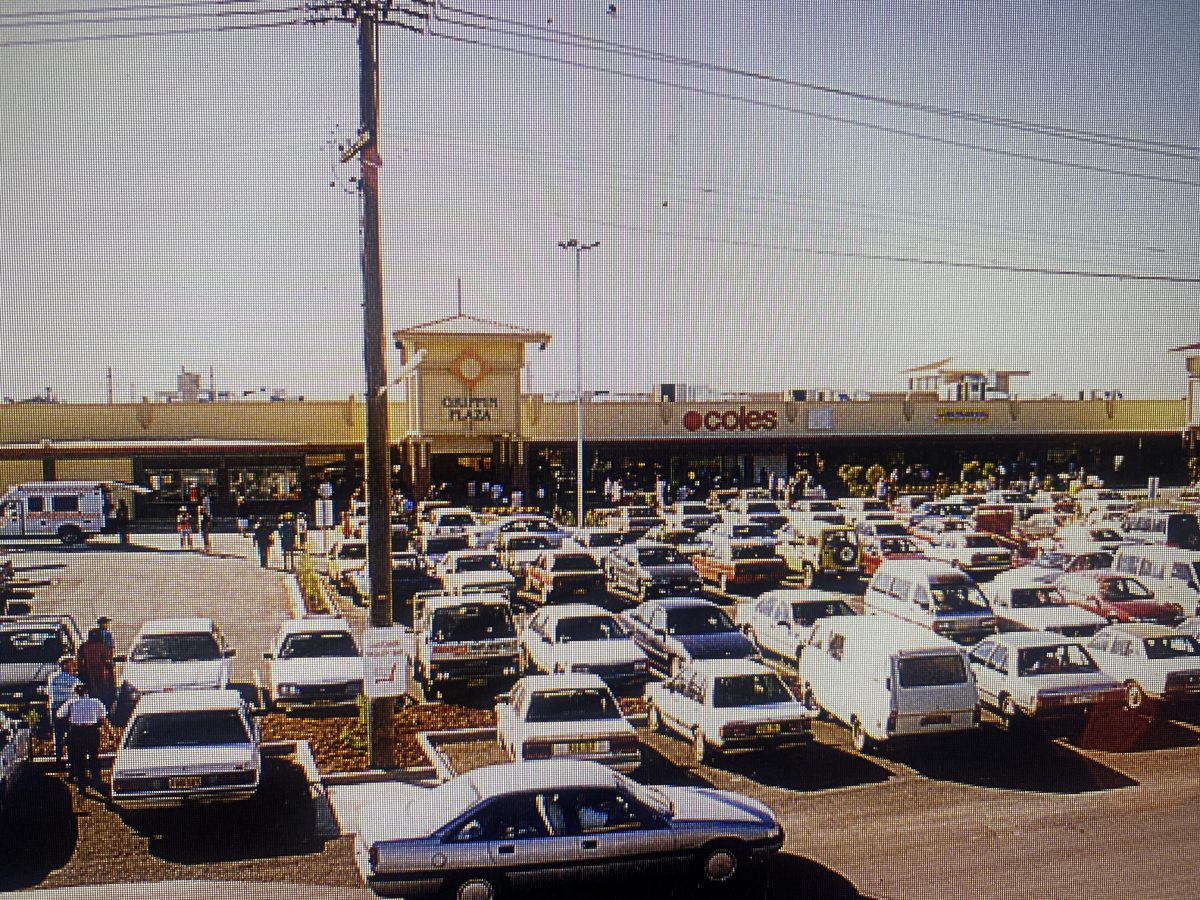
<point x="188" y="701"/>
<point x="314" y="624"/>
<point x="799" y="595"/>
<point x="540" y="775"/>
<point x="181" y="625"/>
<point x="1141" y="630"/>
<point x="558" y="611"/>
<point x="1022" y="639"/>
<point x="563" y="682"/>
<point x="889" y="635"/>
<point x="670" y="603"/>
<point x="718" y="668"/>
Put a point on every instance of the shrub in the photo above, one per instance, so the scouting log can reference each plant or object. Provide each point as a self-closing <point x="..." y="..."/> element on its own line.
<point x="312" y="589"/>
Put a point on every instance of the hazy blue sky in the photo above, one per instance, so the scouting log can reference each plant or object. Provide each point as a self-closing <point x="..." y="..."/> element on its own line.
<point x="167" y="199"/>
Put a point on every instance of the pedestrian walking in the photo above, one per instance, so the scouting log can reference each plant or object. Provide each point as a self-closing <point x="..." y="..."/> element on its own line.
<point x="86" y="717"/>
<point x="121" y="519"/>
<point x="302" y="533"/>
<point x="287" y="542"/>
<point x="206" y="530"/>
<point x="102" y="623"/>
<point x="264" y="537"/>
<point x="239" y="513"/>
<point x="183" y="524"/>
<point x="60" y="689"/>
<point x="96" y="668"/>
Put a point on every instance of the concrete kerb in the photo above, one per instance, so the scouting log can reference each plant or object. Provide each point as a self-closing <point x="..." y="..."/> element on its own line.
<point x="429" y="741"/>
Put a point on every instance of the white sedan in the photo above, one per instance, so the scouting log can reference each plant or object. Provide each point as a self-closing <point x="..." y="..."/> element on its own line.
<point x="566" y="717"/>
<point x="315" y="661"/>
<point x="581" y="638"/>
<point x="1154" y="662"/>
<point x="781" y="621"/>
<point x="174" y="654"/>
<point x="1024" y="602"/>
<point x="724" y="705"/>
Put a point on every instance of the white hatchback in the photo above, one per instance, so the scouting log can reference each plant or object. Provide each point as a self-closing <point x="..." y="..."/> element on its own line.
<point x="175" y="655"/>
<point x="580" y="638"/>
<point x="315" y="662"/>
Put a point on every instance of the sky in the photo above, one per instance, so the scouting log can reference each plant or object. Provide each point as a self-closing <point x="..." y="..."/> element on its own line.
<point x="175" y="201"/>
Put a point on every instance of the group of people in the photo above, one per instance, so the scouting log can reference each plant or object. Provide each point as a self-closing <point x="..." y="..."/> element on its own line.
<point x="187" y="524"/>
<point x="293" y="537"/>
<point x="80" y="696"/>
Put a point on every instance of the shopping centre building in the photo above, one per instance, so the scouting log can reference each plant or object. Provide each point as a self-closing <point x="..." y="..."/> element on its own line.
<point x="459" y="419"/>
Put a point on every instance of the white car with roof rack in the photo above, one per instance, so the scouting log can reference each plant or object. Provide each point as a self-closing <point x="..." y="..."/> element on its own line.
<point x="314" y="661"/>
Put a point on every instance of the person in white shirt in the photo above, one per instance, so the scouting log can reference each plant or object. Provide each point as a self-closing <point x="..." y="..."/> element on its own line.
<point x="60" y="689"/>
<point x="86" y="717"/>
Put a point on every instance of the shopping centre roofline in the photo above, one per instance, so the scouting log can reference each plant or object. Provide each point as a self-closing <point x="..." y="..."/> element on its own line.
<point x="462" y="324"/>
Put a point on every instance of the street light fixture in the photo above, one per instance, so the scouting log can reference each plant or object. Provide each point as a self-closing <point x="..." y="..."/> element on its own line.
<point x="578" y="247"/>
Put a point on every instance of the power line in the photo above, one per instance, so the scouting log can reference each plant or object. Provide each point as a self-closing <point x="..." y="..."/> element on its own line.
<point x="162" y="17"/>
<point x="828" y="117"/>
<point x="1146" y="145"/>
<point x="140" y="7"/>
<point x="168" y="32"/>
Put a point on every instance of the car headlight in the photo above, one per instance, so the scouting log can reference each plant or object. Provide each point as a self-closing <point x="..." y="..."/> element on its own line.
<point x="288" y="690"/>
<point x="641" y="665"/>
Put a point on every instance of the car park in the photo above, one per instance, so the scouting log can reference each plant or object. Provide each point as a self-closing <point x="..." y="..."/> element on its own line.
<point x="821" y="552"/>
<point x="555" y="824"/>
<point x="1117" y="597"/>
<point x="645" y="570"/>
<point x="463" y="642"/>
<point x="186" y="747"/>
<point x="675" y="630"/>
<point x="976" y="553"/>
<point x="1024" y="603"/>
<point x="556" y="574"/>
<point x="932" y="594"/>
<point x="887" y="680"/>
<point x="173" y="655"/>
<point x="464" y="571"/>
<point x="314" y="661"/>
<point x="566" y="716"/>
<point x="579" y="637"/>
<point x="781" y="622"/>
<point x="30" y="647"/>
<point x="1154" y="663"/>
<point x="1042" y="678"/>
<point x="724" y="705"/>
<point x="1170" y="572"/>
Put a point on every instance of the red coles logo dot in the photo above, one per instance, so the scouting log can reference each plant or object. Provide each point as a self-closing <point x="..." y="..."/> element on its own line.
<point x="693" y="420"/>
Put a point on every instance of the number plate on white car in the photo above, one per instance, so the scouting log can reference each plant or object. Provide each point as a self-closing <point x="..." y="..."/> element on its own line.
<point x="184" y="782"/>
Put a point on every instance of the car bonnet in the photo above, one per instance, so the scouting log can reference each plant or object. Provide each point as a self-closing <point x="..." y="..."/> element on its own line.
<point x="708" y="804"/>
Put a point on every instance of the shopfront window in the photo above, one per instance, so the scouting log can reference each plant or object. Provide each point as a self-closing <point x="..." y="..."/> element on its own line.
<point x="266" y="482"/>
<point x="181" y="485"/>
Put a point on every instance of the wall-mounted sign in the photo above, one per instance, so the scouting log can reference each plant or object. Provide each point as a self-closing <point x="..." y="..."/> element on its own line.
<point x="469" y="409"/>
<point x="469" y="368"/>
<point x="821" y="418"/>
<point x="741" y="419"/>
<point x="962" y="416"/>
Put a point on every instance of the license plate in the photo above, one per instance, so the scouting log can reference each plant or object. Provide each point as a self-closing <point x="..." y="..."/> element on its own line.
<point x="935" y="720"/>
<point x="184" y="782"/>
<point x="1085" y="698"/>
<point x="322" y="703"/>
<point x="477" y="682"/>
<point x="768" y="728"/>
<point x="576" y="747"/>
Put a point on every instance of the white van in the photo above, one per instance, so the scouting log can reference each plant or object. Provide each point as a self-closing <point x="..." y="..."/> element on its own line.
<point x="71" y="511"/>
<point x="887" y="679"/>
<point x="1171" y="527"/>
<point x="932" y="594"/>
<point x="1173" y="574"/>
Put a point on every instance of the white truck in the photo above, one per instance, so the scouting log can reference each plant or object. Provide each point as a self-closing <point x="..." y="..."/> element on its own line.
<point x="71" y="511"/>
<point x="463" y="643"/>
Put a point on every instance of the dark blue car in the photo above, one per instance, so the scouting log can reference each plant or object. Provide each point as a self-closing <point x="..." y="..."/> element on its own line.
<point x="675" y="630"/>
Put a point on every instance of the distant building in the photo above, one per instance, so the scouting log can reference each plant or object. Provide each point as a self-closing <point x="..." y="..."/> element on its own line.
<point x="956" y="381"/>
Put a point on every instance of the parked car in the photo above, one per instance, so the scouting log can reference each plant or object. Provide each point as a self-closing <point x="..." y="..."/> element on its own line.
<point x="855" y="508"/>
<point x="466" y="571"/>
<point x="1117" y="597"/>
<point x="1102" y="500"/>
<point x="675" y="630"/>
<point x="1154" y="663"/>
<point x="346" y="556"/>
<point x="976" y="553"/>
<point x="728" y="563"/>
<point x="30" y="647"/>
<point x="781" y="622"/>
<point x="579" y="637"/>
<point x="723" y="705"/>
<point x="932" y="594"/>
<point x="449" y="520"/>
<point x="635" y="519"/>
<point x="687" y="543"/>
<point x="566" y="717"/>
<point x="314" y="661"/>
<point x="936" y="510"/>
<point x="491" y="827"/>
<point x="875" y="551"/>
<point x="1085" y="538"/>
<point x="765" y="512"/>
<point x="434" y="548"/>
<point x="187" y="653"/>
<point x="1023" y="603"/>
<point x="1038" y="677"/>
<point x="185" y="747"/>
<point x="563" y="573"/>
<point x="817" y="511"/>
<point x="645" y="570"/>
<point x="463" y="641"/>
<point x="409" y="577"/>
<point x="492" y="531"/>
<point x="518" y="549"/>
<point x="887" y="679"/>
<point x="822" y="552"/>
<point x="690" y="514"/>
<point x="1170" y="527"/>
<point x="601" y="543"/>
<point x="1171" y="572"/>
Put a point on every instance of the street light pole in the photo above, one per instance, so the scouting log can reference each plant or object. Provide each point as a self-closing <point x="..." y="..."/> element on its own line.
<point x="578" y="247"/>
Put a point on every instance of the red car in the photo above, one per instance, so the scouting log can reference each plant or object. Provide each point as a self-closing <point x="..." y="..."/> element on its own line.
<point x="1117" y="596"/>
<point x="888" y="547"/>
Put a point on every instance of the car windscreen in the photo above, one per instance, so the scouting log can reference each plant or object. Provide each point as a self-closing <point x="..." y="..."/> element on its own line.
<point x="749" y="690"/>
<point x="956" y="596"/>
<point x="571" y="706"/>
<point x="316" y="645"/>
<point x="574" y="562"/>
<point x="588" y="628"/>
<point x="1054" y="660"/>
<point x="931" y="670"/>
<point x="474" y="622"/>
<point x="752" y="551"/>
<point x="197" y="647"/>
<point x="1173" y="647"/>
<point x="528" y="543"/>
<point x="659" y="556"/>
<point x="446" y="544"/>
<point x="42" y="645"/>
<point x="484" y="562"/>
<point x="352" y="551"/>
<point x="202" y="728"/>
<point x="1035" y="597"/>
<point x="808" y="612"/>
<point x="698" y="620"/>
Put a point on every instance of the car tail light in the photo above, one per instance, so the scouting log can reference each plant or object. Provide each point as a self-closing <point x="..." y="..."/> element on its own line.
<point x="623" y="745"/>
<point x="891" y="722"/>
<point x="535" y="750"/>
<point x="736" y="730"/>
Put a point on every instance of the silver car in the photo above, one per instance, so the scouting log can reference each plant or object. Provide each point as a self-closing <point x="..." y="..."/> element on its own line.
<point x="553" y="823"/>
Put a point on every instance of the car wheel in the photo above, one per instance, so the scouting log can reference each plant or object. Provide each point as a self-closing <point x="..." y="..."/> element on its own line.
<point x="859" y="738"/>
<point x="475" y="887"/>
<point x="1135" y="697"/>
<point x="720" y="866"/>
<point x="702" y="753"/>
<point x="653" y="717"/>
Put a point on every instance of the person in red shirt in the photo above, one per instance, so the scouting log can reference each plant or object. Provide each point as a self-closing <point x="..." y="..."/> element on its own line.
<point x="96" y="668"/>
